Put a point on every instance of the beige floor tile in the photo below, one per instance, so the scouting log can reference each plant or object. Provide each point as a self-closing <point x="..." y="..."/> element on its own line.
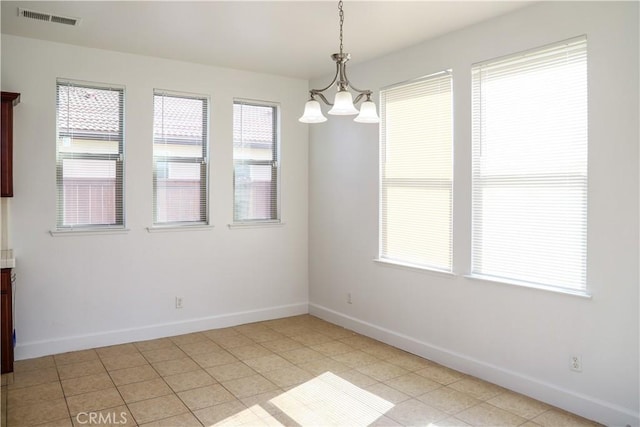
<point x="189" y="380"/>
<point x="118" y="416"/>
<point x="232" y="341"/>
<point x="410" y="362"/>
<point x="249" y="386"/>
<point x="311" y="338"/>
<point x="452" y="422"/>
<point x="35" y="377"/>
<point x="208" y="360"/>
<point x="178" y="366"/>
<point x="358" y="341"/>
<point x="230" y="371"/>
<point x="449" y="400"/>
<point x="387" y="393"/>
<point x="518" y="404"/>
<point x="332" y="348"/>
<point x="250" y="351"/>
<point x="156" y="409"/>
<point x="200" y="347"/>
<point x="357" y="378"/>
<point x="356" y="359"/>
<point x="385" y="421"/>
<point x="144" y="390"/>
<point x="34" y="394"/>
<point x="530" y="424"/>
<point x="261" y="336"/>
<point x="335" y="332"/>
<point x="413" y="412"/>
<point x="75" y="357"/>
<point x="153" y="344"/>
<point x="81" y="369"/>
<point x="116" y="350"/>
<point x="412" y="384"/>
<point x="477" y="388"/>
<point x="64" y="422"/>
<point x="112" y="363"/>
<point x="282" y="345"/>
<point x="268" y="363"/>
<point x="203" y="397"/>
<point x="288" y="376"/>
<point x="215" y="414"/>
<point x="263" y="400"/>
<point x="214" y="334"/>
<point x="33" y="364"/>
<point x="189" y="338"/>
<point x="488" y="415"/>
<point x="165" y="353"/>
<point x="383" y="351"/>
<point x="94" y="401"/>
<point x="320" y="366"/>
<point x="440" y="374"/>
<point x="133" y="375"/>
<point x="382" y="371"/>
<point x="37" y="413"/>
<point x="302" y="355"/>
<point x="559" y="418"/>
<point x="182" y="420"/>
<point x="8" y="378"/>
<point x="86" y="384"/>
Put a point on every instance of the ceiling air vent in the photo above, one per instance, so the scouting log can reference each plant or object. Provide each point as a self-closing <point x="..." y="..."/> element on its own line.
<point x="42" y="16"/>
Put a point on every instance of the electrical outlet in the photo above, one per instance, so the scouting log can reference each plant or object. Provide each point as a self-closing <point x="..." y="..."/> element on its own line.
<point x="575" y="363"/>
<point x="179" y="302"/>
<point x="349" y="301"/>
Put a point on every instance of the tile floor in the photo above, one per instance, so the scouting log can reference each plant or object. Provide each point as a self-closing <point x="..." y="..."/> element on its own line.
<point x="293" y="371"/>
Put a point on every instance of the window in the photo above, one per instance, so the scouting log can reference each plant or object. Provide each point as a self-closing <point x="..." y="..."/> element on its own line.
<point x="255" y="161"/>
<point x="530" y="167"/>
<point x="179" y="159"/>
<point x="90" y="150"/>
<point x="417" y="173"/>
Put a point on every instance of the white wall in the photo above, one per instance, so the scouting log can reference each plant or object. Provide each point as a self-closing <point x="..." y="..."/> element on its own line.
<point x="518" y="337"/>
<point x="84" y="291"/>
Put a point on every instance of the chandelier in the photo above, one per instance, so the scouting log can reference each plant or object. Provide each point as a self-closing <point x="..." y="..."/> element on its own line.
<point x="343" y="103"/>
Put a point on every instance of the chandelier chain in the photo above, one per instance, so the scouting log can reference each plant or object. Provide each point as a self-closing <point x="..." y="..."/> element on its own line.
<point x="341" y="14"/>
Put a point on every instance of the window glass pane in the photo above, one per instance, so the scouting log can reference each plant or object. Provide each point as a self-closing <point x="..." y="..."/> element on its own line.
<point x="255" y="156"/>
<point x="180" y="154"/>
<point x="417" y="173"/>
<point x="530" y="166"/>
<point x="89" y="145"/>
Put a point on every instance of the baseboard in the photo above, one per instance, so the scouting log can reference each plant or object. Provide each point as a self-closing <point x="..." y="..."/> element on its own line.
<point x="32" y="349"/>
<point x="586" y="406"/>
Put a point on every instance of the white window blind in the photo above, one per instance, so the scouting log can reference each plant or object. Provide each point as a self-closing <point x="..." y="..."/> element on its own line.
<point x="180" y="136"/>
<point x="417" y="173"/>
<point x="255" y="161"/>
<point x="90" y="150"/>
<point x="530" y="167"/>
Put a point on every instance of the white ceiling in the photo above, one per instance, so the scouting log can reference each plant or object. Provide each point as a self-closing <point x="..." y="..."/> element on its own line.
<point x="290" y="38"/>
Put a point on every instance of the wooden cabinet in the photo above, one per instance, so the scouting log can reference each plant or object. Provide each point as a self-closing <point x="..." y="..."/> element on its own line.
<point x="9" y="100"/>
<point x="6" y="311"/>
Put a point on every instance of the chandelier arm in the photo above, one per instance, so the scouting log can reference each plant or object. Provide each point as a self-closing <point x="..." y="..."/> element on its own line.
<point x="335" y="78"/>
<point x="325" y="100"/>
<point x="355" y="89"/>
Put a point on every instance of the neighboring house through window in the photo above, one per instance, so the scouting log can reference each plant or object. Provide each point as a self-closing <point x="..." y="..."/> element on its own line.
<point x="180" y="151"/>
<point x="255" y="162"/>
<point x="90" y="150"/>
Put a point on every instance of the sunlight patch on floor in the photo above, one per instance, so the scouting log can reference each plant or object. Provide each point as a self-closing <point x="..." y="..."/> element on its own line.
<point x="325" y="400"/>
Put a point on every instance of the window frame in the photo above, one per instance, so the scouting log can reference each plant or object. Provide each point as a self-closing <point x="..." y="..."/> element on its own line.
<point x="275" y="164"/>
<point x="119" y="159"/>
<point x="203" y="160"/>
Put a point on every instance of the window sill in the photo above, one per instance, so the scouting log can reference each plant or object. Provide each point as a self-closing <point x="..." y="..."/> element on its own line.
<point x="256" y="224"/>
<point x="573" y="292"/>
<point x="413" y="267"/>
<point x="174" y="228"/>
<point x="87" y="232"/>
